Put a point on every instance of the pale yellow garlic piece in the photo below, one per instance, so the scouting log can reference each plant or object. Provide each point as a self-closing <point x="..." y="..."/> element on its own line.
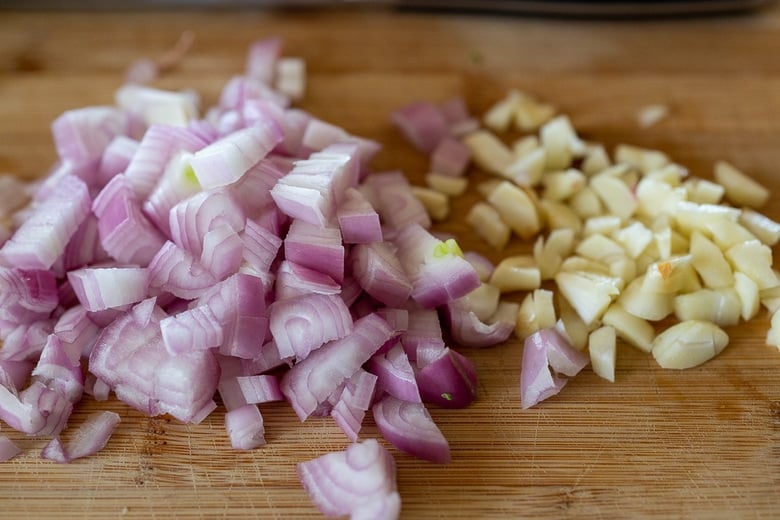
<point x="589" y="293"/>
<point x="644" y="159"/>
<point x="647" y="305"/>
<point x="602" y="225"/>
<point x="525" y="145"/>
<point x="531" y="114"/>
<point x="558" y="215"/>
<point x="600" y="248"/>
<point x="709" y="262"/>
<point x="602" y="347"/>
<point x="630" y="328"/>
<point x="482" y="301"/>
<point x="436" y="203"/>
<point x="748" y="293"/>
<point x="563" y="184"/>
<point x="571" y="326"/>
<point x="499" y="116"/>
<point x="516" y="273"/>
<point x="634" y="237"/>
<point x="703" y="191"/>
<point x="596" y="159"/>
<point x="586" y="204"/>
<point x="550" y="251"/>
<point x="720" y="306"/>
<point x="669" y="276"/>
<point x="741" y="189"/>
<point x="689" y="344"/>
<point x="656" y="197"/>
<point x="576" y="263"/>
<point x="447" y="184"/>
<point x="487" y="223"/>
<point x="488" y="151"/>
<point x="527" y="170"/>
<point x="755" y="260"/>
<point x="763" y="227"/>
<point x="561" y="143"/>
<point x="516" y="208"/>
<point x="615" y="195"/>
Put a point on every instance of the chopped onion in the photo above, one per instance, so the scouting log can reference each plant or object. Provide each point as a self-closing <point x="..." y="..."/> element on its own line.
<point x="227" y="160"/>
<point x="447" y="379"/>
<point x="60" y="371"/>
<point x="423" y="123"/>
<point x="377" y="269"/>
<point x="91" y="436"/>
<point x="410" y="428"/>
<point x="309" y="383"/>
<point x="83" y="134"/>
<point x="320" y="249"/>
<point x="260" y="388"/>
<point x="542" y="350"/>
<point x="103" y="288"/>
<point x="395" y="374"/>
<point x="354" y="399"/>
<point x="125" y="232"/>
<point x="130" y="356"/>
<point x="344" y="482"/>
<point x="302" y="324"/>
<point x="8" y="449"/>
<point x="43" y="237"/>
<point x="245" y="427"/>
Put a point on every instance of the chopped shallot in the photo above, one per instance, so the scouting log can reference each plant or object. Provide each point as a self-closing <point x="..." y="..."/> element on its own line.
<point x="545" y="350"/>
<point x="350" y="481"/>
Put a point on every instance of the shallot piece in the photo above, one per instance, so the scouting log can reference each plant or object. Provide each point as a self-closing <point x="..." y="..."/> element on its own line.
<point x="8" y="449"/>
<point x="359" y="481"/>
<point x="245" y="427"/>
<point x="89" y="438"/>
<point x="409" y="427"/>
<point x="544" y="350"/>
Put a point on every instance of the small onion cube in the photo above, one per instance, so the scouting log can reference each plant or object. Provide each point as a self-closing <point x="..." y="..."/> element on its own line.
<point x="8" y="449"/>
<point x="544" y="349"/>
<point x="309" y="383"/>
<point x="320" y="249"/>
<point x="245" y="427"/>
<point x="227" y="160"/>
<point x="358" y="220"/>
<point x="339" y="483"/>
<point x="89" y="438"/>
<point x="43" y="237"/>
<point x="409" y="427"/>
<point x="450" y="157"/>
<point x="260" y="388"/>
<point x="423" y="124"/>
<point x="303" y="324"/>
<point x="103" y="288"/>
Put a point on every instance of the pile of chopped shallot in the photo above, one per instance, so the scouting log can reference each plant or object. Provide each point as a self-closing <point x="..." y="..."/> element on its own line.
<point x="248" y="253"/>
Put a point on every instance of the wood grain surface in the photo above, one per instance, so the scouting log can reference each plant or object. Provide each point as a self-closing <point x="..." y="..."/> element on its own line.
<point x="701" y="443"/>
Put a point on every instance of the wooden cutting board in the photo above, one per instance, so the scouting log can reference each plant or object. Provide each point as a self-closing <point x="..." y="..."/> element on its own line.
<point x="655" y="444"/>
